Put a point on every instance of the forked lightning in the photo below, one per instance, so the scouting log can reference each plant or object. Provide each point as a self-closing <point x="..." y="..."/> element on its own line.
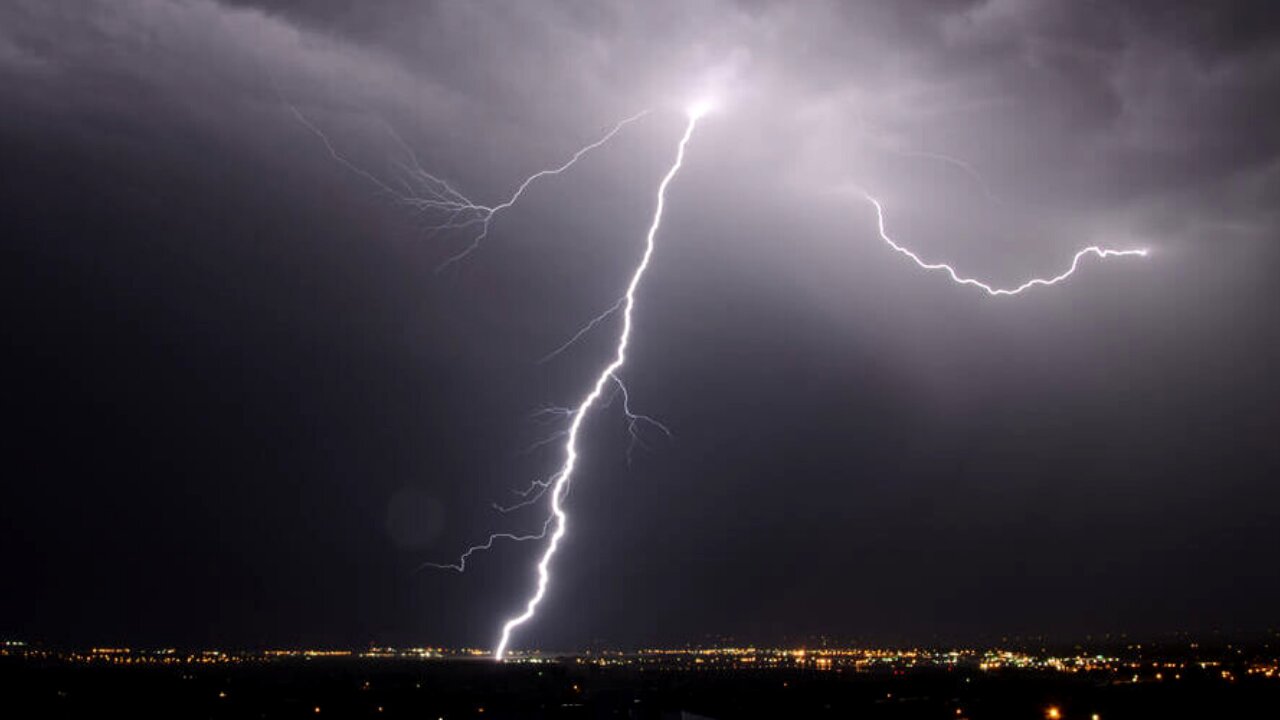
<point x="431" y="195"/>
<point x="562" y="479"/>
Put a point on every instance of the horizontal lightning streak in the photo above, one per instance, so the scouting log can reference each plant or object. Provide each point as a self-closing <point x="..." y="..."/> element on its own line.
<point x="993" y="291"/>
<point x="461" y="564"/>
<point x="531" y="495"/>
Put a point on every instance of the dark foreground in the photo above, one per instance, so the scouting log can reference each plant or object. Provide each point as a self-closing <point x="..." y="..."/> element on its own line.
<point x="355" y="687"/>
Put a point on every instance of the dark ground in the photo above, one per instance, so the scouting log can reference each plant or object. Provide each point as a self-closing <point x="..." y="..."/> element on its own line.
<point x="480" y="688"/>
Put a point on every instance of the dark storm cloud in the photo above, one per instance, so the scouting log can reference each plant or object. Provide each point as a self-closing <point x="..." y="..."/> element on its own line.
<point x="249" y="408"/>
<point x="1122" y="104"/>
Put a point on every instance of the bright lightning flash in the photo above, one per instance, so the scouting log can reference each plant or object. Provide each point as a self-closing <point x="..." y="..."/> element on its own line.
<point x="560" y="481"/>
<point x="698" y="108"/>
<point x="432" y="196"/>
<point x="1102" y="253"/>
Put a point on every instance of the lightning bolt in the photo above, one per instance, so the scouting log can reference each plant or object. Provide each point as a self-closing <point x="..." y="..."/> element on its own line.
<point x="431" y="195"/>
<point x="560" y="481"/>
<point x="538" y="488"/>
<point x="1100" y="252"/>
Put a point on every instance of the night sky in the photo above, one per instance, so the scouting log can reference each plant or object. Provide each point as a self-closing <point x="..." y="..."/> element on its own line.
<point x="242" y="408"/>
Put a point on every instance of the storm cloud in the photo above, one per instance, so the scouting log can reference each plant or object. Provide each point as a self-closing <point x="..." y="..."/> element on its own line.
<point x="247" y="408"/>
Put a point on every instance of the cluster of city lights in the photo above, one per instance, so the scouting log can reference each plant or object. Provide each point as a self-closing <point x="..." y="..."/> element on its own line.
<point x="1133" y="664"/>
